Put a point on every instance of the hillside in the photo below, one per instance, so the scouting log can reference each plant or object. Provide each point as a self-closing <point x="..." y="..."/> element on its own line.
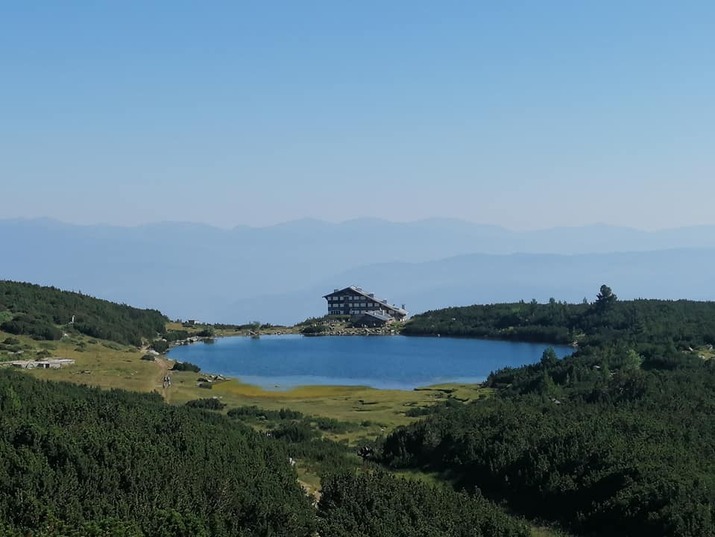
<point x="614" y="440"/>
<point x="46" y="313"/>
<point x="617" y="439"/>
<point x="647" y="322"/>
<point x="80" y="461"/>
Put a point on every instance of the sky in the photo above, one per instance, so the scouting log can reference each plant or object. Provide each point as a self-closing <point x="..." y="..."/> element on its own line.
<point x="525" y="114"/>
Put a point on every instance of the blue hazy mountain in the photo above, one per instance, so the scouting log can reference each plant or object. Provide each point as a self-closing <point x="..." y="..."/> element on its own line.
<point x="278" y="273"/>
<point x="485" y="278"/>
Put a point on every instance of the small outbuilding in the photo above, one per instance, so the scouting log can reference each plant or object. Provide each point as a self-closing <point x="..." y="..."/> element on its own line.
<point x="50" y="363"/>
<point x="372" y="319"/>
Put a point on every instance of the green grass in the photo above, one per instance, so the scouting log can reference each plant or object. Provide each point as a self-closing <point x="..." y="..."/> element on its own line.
<point x="372" y="412"/>
<point x="96" y="365"/>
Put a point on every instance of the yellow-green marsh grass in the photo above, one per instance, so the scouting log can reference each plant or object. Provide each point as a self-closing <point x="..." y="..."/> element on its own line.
<point x="374" y="411"/>
<point x="108" y="365"/>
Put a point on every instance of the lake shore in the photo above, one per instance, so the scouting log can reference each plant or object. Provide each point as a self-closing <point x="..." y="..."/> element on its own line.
<point x="375" y="410"/>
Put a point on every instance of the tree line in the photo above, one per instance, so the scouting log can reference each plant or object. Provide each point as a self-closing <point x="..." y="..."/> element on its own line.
<point x="642" y="322"/>
<point x="46" y="312"/>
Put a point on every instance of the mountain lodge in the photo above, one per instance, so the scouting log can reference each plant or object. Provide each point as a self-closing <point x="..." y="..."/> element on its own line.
<point x="355" y="302"/>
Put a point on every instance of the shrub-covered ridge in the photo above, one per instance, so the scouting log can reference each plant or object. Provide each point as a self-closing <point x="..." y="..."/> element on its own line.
<point x="39" y="312"/>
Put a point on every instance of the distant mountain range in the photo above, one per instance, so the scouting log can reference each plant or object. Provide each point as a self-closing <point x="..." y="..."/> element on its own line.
<point x="279" y="273"/>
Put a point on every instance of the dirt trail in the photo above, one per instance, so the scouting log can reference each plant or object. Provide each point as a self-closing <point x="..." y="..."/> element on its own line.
<point x="310" y="491"/>
<point x="164" y="369"/>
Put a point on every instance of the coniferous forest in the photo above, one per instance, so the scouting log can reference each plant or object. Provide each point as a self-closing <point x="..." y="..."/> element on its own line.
<point x="603" y="322"/>
<point x="77" y="461"/>
<point x="39" y="312"/>
<point x="617" y="439"/>
<point x="80" y="461"/>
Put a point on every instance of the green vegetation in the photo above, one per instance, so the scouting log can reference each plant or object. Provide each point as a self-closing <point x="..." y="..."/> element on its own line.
<point x="39" y="312"/>
<point x="357" y="499"/>
<point x="37" y="328"/>
<point x="249" y="327"/>
<point x="74" y="460"/>
<point x="256" y="413"/>
<point x="303" y="437"/>
<point x="371" y="412"/>
<point x="650" y="324"/>
<point x="11" y="345"/>
<point x="176" y="335"/>
<point x="210" y="403"/>
<point x="160" y="346"/>
<point x="206" y="332"/>
<point x="617" y="439"/>
<point x="186" y="366"/>
<point x="325" y="319"/>
<point x="376" y="504"/>
<point x="315" y="329"/>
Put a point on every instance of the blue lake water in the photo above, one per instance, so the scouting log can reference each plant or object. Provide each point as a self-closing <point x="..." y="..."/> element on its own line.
<point x="386" y="362"/>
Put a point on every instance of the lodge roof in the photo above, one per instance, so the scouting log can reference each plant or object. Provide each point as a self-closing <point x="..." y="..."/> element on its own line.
<point x="359" y="291"/>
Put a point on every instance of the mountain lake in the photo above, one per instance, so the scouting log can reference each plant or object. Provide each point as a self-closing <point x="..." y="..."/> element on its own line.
<point x="384" y="362"/>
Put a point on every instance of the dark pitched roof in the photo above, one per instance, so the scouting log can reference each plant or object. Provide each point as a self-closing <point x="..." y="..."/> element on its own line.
<point x="359" y="291"/>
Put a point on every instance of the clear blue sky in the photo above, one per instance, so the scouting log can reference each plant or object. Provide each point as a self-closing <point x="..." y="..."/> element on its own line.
<point x="526" y="114"/>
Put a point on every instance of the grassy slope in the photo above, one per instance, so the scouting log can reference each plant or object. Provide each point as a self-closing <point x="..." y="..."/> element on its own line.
<point x="103" y="364"/>
<point x="109" y="365"/>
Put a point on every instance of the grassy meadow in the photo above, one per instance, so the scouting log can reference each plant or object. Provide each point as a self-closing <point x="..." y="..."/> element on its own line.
<point x="111" y="365"/>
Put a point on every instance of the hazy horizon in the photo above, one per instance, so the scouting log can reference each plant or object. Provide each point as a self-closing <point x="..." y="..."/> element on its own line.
<point x="281" y="272"/>
<point x="359" y="219"/>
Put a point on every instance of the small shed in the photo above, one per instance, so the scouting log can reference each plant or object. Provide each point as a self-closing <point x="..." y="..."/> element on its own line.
<point x="50" y="363"/>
